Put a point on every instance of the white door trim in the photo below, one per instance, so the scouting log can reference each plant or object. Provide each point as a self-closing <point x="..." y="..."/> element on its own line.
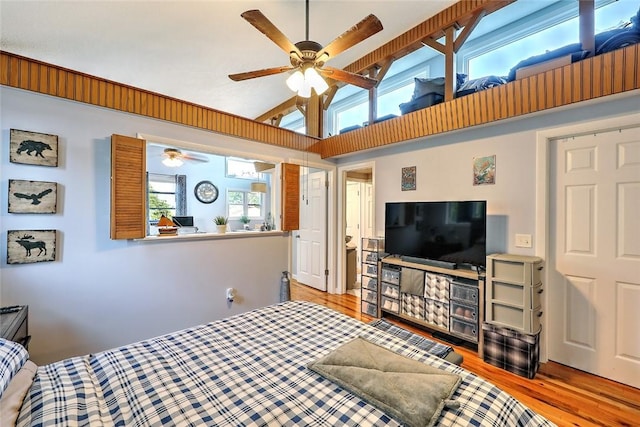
<point x="542" y="233"/>
<point x="338" y="286"/>
<point x="331" y="243"/>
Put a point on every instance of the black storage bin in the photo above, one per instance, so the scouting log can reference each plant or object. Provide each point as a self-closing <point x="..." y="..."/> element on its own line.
<point x="511" y="350"/>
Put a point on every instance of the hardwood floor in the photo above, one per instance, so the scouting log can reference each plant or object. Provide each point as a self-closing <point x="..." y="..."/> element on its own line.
<point x="565" y="396"/>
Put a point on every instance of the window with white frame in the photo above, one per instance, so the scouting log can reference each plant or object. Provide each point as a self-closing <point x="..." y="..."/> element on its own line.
<point x="242" y="202"/>
<point x="165" y="196"/>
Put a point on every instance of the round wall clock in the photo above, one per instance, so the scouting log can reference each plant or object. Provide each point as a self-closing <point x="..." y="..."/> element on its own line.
<point x="206" y="192"/>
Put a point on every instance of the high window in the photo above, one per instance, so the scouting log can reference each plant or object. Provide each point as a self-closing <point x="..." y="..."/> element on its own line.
<point x="501" y="40"/>
<point x="504" y="38"/>
<point x="241" y="168"/>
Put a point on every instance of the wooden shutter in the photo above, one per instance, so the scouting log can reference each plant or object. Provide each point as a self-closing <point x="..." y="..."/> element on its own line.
<point x="290" y="197"/>
<point x="128" y="187"/>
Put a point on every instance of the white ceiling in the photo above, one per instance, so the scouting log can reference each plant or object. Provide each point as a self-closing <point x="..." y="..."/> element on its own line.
<point x="186" y="49"/>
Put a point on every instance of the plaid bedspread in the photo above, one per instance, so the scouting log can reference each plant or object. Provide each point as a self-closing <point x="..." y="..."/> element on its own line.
<point x="246" y="370"/>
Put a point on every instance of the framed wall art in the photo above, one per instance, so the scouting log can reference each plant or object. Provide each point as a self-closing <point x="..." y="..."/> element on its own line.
<point x="29" y="246"/>
<point x="32" y="196"/>
<point x="484" y="170"/>
<point x="33" y="148"/>
<point x="408" y="178"/>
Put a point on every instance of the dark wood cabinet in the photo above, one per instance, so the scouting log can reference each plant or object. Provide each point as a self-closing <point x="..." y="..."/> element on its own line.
<point x="14" y="326"/>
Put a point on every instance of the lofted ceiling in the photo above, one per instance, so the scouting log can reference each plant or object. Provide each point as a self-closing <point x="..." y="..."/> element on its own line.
<point x="186" y="49"/>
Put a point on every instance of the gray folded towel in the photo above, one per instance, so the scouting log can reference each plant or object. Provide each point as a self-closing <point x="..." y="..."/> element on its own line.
<point x="410" y="391"/>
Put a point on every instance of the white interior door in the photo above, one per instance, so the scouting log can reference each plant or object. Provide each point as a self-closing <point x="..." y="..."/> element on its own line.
<point x="312" y="257"/>
<point x="594" y="290"/>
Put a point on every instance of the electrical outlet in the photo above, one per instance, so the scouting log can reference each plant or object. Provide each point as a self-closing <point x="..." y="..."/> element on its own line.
<point x="523" y="240"/>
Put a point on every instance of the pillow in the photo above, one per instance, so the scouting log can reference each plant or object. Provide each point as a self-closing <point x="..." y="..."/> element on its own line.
<point x="427" y="86"/>
<point x="11" y="400"/>
<point x="435" y="85"/>
<point x="12" y="357"/>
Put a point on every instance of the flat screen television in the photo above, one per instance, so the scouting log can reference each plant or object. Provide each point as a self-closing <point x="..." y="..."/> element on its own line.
<point x="449" y="232"/>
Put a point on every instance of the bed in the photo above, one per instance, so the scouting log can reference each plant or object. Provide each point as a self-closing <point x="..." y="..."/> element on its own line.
<point x="250" y="369"/>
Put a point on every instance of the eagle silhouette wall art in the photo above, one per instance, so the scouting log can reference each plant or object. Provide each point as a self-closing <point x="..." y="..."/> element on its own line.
<point x="32" y="196"/>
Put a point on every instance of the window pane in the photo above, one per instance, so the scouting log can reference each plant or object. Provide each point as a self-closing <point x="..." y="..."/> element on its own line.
<point x="254" y="212"/>
<point x="355" y="115"/>
<point x="389" y="103"/>
<point x="499" y="61"/>
<point x="236" y="197"/>
<point x="236" y="211"/>
<point x="254" y="198"/>
<point x="293" y="121"/>
<point x="162" y="198"/>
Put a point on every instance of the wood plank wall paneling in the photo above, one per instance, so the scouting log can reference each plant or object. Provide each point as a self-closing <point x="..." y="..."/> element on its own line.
<point x="28" y="74"/>
<point x="290" y="197"/>
<point x="594" y="77"/>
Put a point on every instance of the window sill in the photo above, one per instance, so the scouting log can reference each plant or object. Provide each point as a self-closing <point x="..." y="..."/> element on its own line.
<point x="240" y="234"/>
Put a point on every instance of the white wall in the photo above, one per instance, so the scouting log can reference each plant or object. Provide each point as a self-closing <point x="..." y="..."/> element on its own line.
<point x="444" y="168"/>
<point x="101" y="293"/>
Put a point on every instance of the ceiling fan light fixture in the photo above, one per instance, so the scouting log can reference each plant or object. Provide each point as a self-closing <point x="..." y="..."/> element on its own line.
<point x="302" y="83"/>
<point x="295" y="80"/>
<point x="172" y="162"/>
<point x="305" y="90"/>
<point x="315" y="80"/>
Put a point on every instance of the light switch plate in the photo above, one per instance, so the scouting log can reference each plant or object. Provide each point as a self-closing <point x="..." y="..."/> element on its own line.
<point x="523" y="241"/>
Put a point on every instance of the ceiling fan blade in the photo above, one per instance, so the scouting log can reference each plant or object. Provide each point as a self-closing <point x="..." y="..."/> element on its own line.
<point x="354" y="35"/>
<point x="195" y="157"/>
<point x="347" y="77"/>
<point x="260" y="73"/>
<point x="266" y="27"/>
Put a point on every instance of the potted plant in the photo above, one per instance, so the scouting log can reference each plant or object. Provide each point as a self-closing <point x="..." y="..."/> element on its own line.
<point x="244" y="219"/>
<point x="221" y="223"/>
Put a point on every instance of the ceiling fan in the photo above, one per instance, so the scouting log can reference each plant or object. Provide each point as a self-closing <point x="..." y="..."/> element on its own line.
<point x="308" y="57"/>
<point x="173" y="157"/>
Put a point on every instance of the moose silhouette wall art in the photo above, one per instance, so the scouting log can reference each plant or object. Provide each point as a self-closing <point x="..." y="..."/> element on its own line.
<point x="32" y="196"/>
<point x="33" y="148"/>
<point x="27" y="246"/>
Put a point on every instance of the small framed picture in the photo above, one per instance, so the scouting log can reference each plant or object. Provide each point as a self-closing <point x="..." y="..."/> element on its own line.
<point x="408" y="178"/>
<point x="29" y="246"/>
<point x="484" y="170"/>
<point x="33" y="148"/>
<point x="32" y="196"/>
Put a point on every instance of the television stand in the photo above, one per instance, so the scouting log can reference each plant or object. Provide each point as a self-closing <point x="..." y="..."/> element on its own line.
<point x="448" y="302"/>
<point x="431" y="262"/>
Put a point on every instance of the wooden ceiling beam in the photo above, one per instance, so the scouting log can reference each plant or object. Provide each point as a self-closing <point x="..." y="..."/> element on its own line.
<point x="468" y="29"/>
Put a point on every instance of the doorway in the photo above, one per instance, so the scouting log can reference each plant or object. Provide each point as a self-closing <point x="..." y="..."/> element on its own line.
<point x="358" y="214"/>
